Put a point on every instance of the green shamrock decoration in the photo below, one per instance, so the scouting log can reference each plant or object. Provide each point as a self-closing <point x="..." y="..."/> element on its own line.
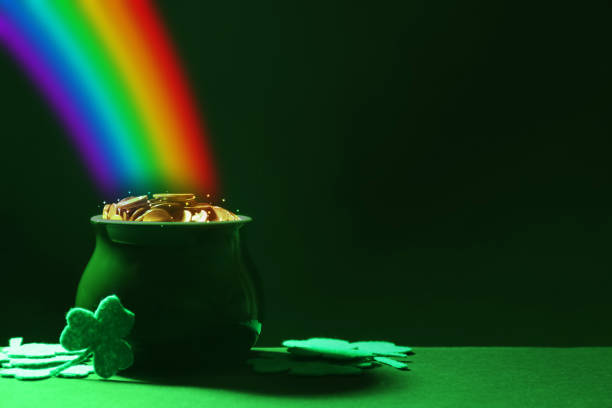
<point x="382" y="348"/>
<point x="391" y="362"/>
<point x="341" y="349"/>
<point x="335" y="349"/>
<point x="38" y="361"/>
<point x="319" y="356"/>
<point x="101" y="334"/>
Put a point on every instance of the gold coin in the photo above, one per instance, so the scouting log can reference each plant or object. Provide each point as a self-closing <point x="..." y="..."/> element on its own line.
<point x="206" y="209"/>
<point x="125" y="199"/>
<point x="211" y="214"/>
<point x="183" y="207"/>
<point x="137" y="213"/>
<point x="173" y="208"/>
<point x="175" y="197"/>
<point x="105" y="212"/>
<point x="112" y="210"/>
<point x="202" y="216"/>
<point x="167" y="204"/>
<point x="155" y="202"/>
<point x="197" y="206"/>
<point x="223" y="214"/>
<point x="132" y="202"/>
<point x="116" y="217"/>
<point x="156" y="215"/>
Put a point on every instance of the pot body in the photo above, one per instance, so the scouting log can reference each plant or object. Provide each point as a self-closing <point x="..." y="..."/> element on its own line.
<point x="192" y="287"/>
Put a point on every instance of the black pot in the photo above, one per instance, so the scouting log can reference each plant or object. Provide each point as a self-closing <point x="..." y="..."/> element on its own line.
<point x="195" y="294"/>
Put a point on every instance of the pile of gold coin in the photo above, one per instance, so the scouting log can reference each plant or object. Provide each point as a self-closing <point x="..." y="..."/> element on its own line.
<point x="183" y="207"/>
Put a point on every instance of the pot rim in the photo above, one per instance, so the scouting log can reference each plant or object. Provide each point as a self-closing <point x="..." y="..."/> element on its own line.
<point x="97" y="219"/>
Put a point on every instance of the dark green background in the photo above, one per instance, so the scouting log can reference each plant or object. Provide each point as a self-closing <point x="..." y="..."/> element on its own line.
<point x="434" y="173"/>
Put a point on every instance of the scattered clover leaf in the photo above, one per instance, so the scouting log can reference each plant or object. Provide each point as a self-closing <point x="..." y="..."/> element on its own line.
<point x="367" y="364"/>
<point x="15" y="342"/>
<point x="323" y="342"/>
<point x="391" y="362"/>
<point x="76" y="371"/>
<point x="337" y="349"/>
<point x="382" y="348"/>
<point x="342" y="349"/>
<point x="325" y="347"/>
<point x="101" y="334"/>
<point x="37" y="362"/>
<point x="36" y="350"/>
<point x="26" y="373"/>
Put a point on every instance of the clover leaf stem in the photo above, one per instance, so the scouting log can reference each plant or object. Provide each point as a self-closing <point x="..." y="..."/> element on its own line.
<point x="79" y="359"/>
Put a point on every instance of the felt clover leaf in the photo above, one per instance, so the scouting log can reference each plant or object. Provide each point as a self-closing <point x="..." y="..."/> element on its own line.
<point x="382" y="348"/>
<point x="101" y="334"/>
<point x="325" y="347"/>
<point x="37" y="361"/>
<point x="391" y="362"/>
<point x="75" y="371"/>
<point x="37" y="350"/>
<point x="336" y="349"/>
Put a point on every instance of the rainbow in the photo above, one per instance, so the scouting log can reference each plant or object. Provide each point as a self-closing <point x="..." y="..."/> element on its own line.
<point x="110" y="72"/>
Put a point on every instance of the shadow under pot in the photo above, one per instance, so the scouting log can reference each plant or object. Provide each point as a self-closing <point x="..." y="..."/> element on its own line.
<point x="195" y="294"/>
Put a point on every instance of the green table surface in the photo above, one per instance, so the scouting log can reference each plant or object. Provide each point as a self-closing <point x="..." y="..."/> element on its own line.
<point x="439" y="377"/>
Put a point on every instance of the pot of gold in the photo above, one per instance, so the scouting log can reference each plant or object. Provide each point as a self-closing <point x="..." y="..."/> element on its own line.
<point x="181" y="266"/>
